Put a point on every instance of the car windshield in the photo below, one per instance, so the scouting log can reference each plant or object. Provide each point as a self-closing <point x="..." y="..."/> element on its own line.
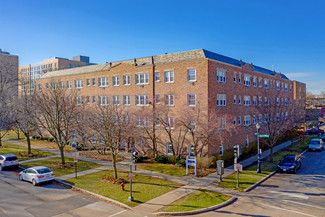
<point x="44" y="170"/>
<point x="11" y="158"/>
<point x="288" y="160"/>
<point x="314" y="142"/>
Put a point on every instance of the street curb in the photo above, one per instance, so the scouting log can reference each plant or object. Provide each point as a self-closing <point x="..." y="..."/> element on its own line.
<point x="97" y="196"/>
<point x="259" y="182"/>
<point x="226" y="203"/>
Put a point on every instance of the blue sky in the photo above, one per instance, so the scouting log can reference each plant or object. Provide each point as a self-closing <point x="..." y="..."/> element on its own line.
<point x="288" y="35"/>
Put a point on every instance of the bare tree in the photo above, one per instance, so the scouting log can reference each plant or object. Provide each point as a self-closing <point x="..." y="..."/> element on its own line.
<point x="57" y="113"/>
<point x="113" y="125"/>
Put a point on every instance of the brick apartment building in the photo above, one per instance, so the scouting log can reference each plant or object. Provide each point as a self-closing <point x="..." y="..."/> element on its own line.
<point x="218" y="84"/>
<point x="9" y="73"/>
<point x="29" y="73"/>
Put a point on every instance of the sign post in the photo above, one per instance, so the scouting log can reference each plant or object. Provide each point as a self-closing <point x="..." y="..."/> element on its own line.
<point x="190" y="162"/>
<point x="75" y="155"/>
<point x="131" y="177"/>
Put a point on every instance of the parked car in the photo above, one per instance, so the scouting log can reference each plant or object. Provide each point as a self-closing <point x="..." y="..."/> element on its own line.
<point x="36" y="175"/>
<point x="8" y="160"/>
<point x="314" y="131"/>
<point x="289" y="163"/>
<point x="323" y="138"/>
<point x="315" y="145"/>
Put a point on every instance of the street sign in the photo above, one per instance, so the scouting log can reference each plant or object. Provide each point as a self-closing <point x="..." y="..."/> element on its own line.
<point x="264" y="136"/>
<point x="75" y="159"/>
<point x="131" y="175"/>
<point x="238" y="167"/>
<point x="256" y="134"/>
<point x="77" y="154"/>
<point x="73" y="145"/>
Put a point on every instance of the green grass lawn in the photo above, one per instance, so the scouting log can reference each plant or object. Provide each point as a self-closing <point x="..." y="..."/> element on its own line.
<point x="144" y="188"/>
<point x="249" y="176"/>
<point x="55" y="165"/>
<point x="48" y="145"/>
<point x="199" y="199"/>
<point x="21" y="151"/>
<point x="168" y="169"/>
<point x="12" y="135"/>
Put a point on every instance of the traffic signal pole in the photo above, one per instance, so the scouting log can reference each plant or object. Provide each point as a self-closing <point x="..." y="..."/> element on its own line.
<point x="236" y="153"/>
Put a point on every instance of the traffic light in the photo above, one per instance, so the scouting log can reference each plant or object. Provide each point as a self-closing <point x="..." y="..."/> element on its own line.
<point x="235" y="150"/>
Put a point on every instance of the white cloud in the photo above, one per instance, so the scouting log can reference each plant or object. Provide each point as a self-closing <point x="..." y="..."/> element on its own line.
<point x="316" y="86"/>
<point x="294" y="75"/>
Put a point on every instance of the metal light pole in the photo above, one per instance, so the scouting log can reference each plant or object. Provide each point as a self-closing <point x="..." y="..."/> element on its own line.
<point x="258" y="149"/>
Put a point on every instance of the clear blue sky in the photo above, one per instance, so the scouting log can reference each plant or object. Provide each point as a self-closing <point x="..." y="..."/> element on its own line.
<point x="290" y="35"/>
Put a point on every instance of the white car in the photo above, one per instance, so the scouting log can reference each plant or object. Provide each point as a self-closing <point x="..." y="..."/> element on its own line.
<point x="8" y="160"/>
<point x="36" y="175"/>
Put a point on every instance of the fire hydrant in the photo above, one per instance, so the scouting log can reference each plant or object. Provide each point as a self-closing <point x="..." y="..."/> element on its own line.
<point x="122" y="186"/>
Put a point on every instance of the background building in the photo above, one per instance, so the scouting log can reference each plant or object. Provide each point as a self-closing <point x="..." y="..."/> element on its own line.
<point x="9" y="73"/>
<point x="238" y="94"/>
<point x="29" y="73"/>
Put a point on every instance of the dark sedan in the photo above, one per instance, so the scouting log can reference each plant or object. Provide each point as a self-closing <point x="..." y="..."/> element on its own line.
<point x="314" y="131"/>
<point x="289" y="163"/>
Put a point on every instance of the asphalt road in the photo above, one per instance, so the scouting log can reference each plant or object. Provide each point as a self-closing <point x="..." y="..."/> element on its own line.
<point x="22" y="199"/>
<point x="301" y="194"/>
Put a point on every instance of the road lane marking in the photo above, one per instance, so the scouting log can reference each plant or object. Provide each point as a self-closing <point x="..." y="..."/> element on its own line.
<point x="289" y="210"/>
<point x="318" y="207"/>
<point x="3" y="210"/>
<point x="117" y="213"/>
<point x="287" y="194"/>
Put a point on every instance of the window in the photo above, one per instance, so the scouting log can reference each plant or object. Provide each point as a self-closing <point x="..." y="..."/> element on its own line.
<point x="116" y="100"/>
<point x="235" y="120"/>
<point x="266" y="83"/>
<point x="54" y="85"/>
<point x="169" y="122"/>
<point x="266" y="101"/>
<point x="239" y="100"/>
<point x="103" y="100"/>
<point x="157" y="76"/>
<point x="103" y="82"/>
<point x="94" y="82"/>
<point x="221" y="76"/>
<point x="247" y="120"/>
<point x="191" y="99"/>
<point x="286" y="87"/>
<point x="260" y="101"/>
<point x="247" y="80"/>
<point x="94" y="99"/>
<point x="277" y="85"/>
<point x="88" y="99"/>
<point x="266" y="118"/>
<point x="88" y="82"/>
<point x="78" y="83"/>
<point x="254" y="119"/>
<point x="239" y="78"/>
<point x="222" y="99"/>
<point x="221" y="150"/>
<point x="255" y="81"/>
<point x="169" y="76"/>
<point x="260" y="118"/>
<point x="141" y="100"/>
<point x="79" y="100"/>
<point x="278" y="101"/>
<point x="235" y="99"/>
<point x="247" y="100"/>
<point x="222" y="123"/>
<point x="40" y="87"/>
<point x="126" y="80"/>
<point x="247" y="141"/>
<point x="69" y="65"/>
<point x="255" y="100"/>
<point x="157" y="99"/>
<point x="282" y="86"/>
<point x="62" y="85"/>
<point x="235" y="77"/>
<point x="260" y="84"/>
<point x="142" y="78"/>
<point x="191" y="75"/>
<point x="239" y="120"/>
<point x="116" y="80"/>
<point x="169" y="149"/>
<point x="126" y="100"/>
<point x="169" y="100"/>
<point x="290" y="87"/>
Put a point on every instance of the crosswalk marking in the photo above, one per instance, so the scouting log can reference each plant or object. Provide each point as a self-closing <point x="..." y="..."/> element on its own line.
<point x="287" y="194"/>
<point x="289" y="210"/>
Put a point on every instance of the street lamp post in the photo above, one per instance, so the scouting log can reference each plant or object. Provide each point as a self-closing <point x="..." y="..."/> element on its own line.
<point x="258" y="149"/>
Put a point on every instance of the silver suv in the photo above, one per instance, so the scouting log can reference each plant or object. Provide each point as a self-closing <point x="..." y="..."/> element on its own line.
<point x="315" y="144"/>
<point x="8" y="160"/>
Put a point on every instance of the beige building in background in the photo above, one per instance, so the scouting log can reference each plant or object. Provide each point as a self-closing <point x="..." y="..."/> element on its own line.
<point x="9" y="72"/>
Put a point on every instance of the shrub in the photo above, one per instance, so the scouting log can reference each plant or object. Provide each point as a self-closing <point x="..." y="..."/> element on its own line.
<point x="161" y="159"/>
<point x="172" y="159"/>
<point x="51" y="139"/>
<point x="181" y="162"/>
<point x="151" y="154"/>
<point x="139" y="159"/>
<point x="79" y="146"/>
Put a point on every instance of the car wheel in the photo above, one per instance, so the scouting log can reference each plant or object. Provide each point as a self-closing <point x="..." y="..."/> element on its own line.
<point x="34" y="182"/>
<point x="21" y="178"/>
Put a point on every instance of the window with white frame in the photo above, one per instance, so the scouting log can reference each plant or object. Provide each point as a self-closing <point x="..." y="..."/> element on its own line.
<point x="116" y="80"/>
<point x="221" y="150"/>
<point x="93" y="82"/>
<point x="286" y="87"/>
<point x="54" y="85"/>
<point x="116" y="100"/>
<point x="141" y="100"/>
<point x="239" y="120"/>
<point x="94" y="99"/>
<point x="221" y="100"/>
<point x="247" y="120"/>
<point x="222" y="123"/>
<point x="260" y="100"/>
<point x="126" y="100"/>
<point x="169" y="122"/>
<point x="157" y="76"/>
<point x="141" y="78"/>
<point x="169" y="76"/>
<point x="79" y="100"/>
<point x="282" y="86"/>
<point x="169" y="100"/>
<point x="40" y="87"/>
<point x="254" y="119"/>
<point x="169" y="149"/>
<point x="255" y="100"/>
<point x="254" y="81"/>
<point x="103" y="100"/>
<point x="146" y="121"/>
<point x="266" y="83"/>
<point x="88" y="99"/>
<point x="69" y="84"/>
<point x="103" y="82"/>
<point x="221" y="76"/>
<point x="260" y="118"/>
<point x="278" y="101"/>
<point x="260" y="84"/>
<point x="235" y="77"/>
<point x="290" y="87"/>
<point x="62" y="85"/>
<point x="278" y="85"/>
<point x="239" y="77"/>
<point x="126" y="80"/>
<point x="88" y="82"/>
<point x="266" y="101"/>
<point x="157" y="99"/>
<point x="266" y="118"/>
<point x="235" y="99"/>
<point x="247" y="100"/>
<point x="191" y="99"/>
<point x="286" y="102"/>
<point x="191" y="75"/>
<point x="78" y="83"/>
<point x="247" y="80"/>
<point x="239" y="100"/>
<point x="235" y="120"/>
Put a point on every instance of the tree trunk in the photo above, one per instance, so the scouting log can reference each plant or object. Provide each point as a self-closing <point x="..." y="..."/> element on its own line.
<point x="28" y="144"/>
<point x="0" y="140"/>
<point x="62" y="155"/>
<point x="271" y="153"/>
<point x="114" y="164"/>
<point x="18" y="134"/>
